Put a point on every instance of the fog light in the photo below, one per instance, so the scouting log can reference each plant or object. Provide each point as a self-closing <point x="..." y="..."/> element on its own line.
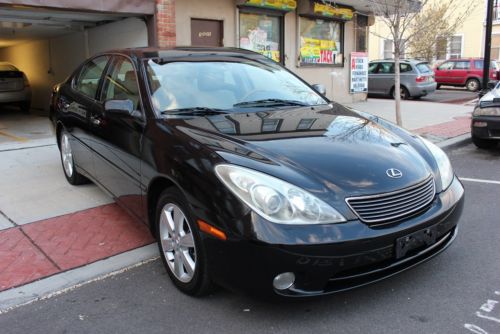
<point x="284" y="281"/>
<point x="480" y="124"/>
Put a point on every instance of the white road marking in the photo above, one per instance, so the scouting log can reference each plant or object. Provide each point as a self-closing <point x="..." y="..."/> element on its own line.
<point x="489" y="305"/>
<point x="480" y="180"/>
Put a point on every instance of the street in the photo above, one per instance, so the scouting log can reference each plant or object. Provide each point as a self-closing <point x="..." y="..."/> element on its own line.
<point x="456" y="292"/>
<point x="446" y="94"/>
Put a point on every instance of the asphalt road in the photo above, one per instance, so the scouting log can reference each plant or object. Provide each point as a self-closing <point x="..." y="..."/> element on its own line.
<point x="454" y="95"/>
<point x="455" y="291"/>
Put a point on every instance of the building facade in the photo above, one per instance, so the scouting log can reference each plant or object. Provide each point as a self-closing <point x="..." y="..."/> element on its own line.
<point x="314" y="38"/>
<point x="467" y="41"/>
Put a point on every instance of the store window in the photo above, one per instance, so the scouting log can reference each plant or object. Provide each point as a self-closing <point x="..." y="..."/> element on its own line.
<point x="388" y="49"/>
<point x="321" y="42"/>
<point x="262" y="33"/>
<point x="361" y="33"/>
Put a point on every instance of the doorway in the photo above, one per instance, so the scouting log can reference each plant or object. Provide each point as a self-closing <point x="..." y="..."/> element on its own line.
<point x="206" y="32"/>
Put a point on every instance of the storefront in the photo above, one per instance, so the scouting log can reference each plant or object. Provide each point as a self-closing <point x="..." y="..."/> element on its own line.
<point x="314" y="39"/>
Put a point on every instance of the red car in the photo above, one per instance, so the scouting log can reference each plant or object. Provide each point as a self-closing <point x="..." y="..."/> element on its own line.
<point x="464" y="73"/>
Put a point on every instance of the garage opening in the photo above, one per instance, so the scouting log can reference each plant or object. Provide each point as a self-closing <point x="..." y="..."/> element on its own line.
<point x="47" y="44"/>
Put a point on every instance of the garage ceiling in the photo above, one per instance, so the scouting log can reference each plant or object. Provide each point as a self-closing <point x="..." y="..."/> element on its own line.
<point x="19" y="25"/>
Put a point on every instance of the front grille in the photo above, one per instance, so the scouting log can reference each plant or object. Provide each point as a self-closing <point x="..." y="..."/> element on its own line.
<point x="393" y="206"/>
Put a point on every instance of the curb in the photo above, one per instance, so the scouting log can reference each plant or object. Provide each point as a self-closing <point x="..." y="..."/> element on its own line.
<point x="71" y="279"/>
<point x="455" y="142"/>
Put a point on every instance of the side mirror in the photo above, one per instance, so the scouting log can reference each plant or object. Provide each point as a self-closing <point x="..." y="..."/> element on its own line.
<point x="491" y="84"/>
<point x="320" y="88"/>
<point x="119" y="107"/>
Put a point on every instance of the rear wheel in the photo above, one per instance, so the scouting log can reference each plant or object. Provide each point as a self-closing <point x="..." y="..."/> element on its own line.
<point x="25" y="106"/>
<point x="405" y="95"/>
<point x="67" y="161"/>
<point x="473" y="85"/>
<point x="180" y="245"/>
<point x="484" y="143"/>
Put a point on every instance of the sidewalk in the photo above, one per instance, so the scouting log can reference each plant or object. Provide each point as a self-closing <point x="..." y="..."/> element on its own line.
<point x="54" y="236"/>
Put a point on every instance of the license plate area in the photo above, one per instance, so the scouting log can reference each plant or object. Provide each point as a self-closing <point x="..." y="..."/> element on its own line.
<point x="419" y="239"/>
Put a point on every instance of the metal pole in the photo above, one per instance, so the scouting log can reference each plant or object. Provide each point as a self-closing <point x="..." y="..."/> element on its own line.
<point x="487" y="46"/>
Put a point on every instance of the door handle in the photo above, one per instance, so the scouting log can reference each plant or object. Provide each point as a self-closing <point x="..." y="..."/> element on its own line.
<point x="95" y="120"/>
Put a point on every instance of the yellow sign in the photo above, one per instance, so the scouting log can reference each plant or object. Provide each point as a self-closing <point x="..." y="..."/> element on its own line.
<point x="330" y="11"/>
<point x="317" y="51"/>
<point x="287" y="5"/>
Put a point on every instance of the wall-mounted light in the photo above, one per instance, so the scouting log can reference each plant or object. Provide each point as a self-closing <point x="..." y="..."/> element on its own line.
<point x="14" y="25"/>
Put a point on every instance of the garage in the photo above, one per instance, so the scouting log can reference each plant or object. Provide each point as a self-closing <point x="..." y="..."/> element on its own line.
<point x="47" y="40"/>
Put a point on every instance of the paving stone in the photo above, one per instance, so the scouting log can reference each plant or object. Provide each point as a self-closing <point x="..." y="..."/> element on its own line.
<point x="84" y="237"/>
<point x="20" y="261"/>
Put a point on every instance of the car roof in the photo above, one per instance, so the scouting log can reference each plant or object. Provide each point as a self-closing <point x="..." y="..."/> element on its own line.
<point x="403" y="61"/>
<point x="182" y="51"/>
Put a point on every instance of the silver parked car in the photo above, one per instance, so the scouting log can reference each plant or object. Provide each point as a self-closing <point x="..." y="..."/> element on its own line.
<point x="14" y="87"/>
<point x="417" y="78"/>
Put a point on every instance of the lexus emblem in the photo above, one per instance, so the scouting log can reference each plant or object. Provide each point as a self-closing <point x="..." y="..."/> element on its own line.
<point x="394" y="173"/>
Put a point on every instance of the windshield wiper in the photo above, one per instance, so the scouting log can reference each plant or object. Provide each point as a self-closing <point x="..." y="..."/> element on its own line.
<point x="196" y="111"/>
<point x="269" y="102"/>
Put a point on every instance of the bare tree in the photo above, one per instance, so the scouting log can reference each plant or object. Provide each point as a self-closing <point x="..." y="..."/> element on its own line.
<point x="406" y="25"/>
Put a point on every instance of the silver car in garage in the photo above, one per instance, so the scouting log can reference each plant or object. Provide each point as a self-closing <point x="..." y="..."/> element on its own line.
<point x="417" y="78"/>
<point x="14" y="87"/>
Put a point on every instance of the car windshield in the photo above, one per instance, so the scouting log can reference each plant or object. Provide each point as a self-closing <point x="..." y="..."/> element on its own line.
<point x="225" y="85"/>
<point x="424" y="68"/>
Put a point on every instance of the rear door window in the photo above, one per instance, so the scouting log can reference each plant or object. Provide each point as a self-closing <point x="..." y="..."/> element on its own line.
<point x="88" y="80"/>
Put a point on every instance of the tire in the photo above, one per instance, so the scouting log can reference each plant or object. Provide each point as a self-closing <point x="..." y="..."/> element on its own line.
<point x="67" y="161"/>
<point x="184" y="257"/>
<point x="473" y="85"/>
<point x="25" y="106"/>
<point x="484" y="143"/>
<point x="405" y="95"/>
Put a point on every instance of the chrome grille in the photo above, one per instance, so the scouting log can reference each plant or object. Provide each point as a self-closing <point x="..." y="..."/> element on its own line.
<point x="393" y="206"/>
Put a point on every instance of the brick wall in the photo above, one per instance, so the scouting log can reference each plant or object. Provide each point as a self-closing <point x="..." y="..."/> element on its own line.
<point x="165" y="22"/>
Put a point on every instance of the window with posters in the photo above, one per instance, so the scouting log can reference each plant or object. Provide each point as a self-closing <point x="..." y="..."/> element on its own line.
<point x="262" y="32"/>
<point x="321" y="42"/>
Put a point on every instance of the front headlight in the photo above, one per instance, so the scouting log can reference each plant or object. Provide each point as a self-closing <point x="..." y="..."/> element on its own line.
<point x="443" y="163"/>
<point x="276" y="200"/>
<point x="486" y="111"/>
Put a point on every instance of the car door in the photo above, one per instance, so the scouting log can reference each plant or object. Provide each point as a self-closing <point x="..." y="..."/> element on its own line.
<point x="118" y="135"/>
<point x="443" y="73"/>
<point x="460" y="71"/>
<point x="373" y="88"/>
<point x="385" y="77"/>
<point x="78" y="101"/>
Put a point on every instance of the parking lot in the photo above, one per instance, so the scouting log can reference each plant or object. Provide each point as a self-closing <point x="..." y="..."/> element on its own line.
<point x="457" y="292"/>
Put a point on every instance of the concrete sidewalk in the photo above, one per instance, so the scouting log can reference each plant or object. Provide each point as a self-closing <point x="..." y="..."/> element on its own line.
<point x="54" y="236"/>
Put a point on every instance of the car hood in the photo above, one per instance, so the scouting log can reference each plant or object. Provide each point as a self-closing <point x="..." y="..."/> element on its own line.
<point x="331" y="150"/>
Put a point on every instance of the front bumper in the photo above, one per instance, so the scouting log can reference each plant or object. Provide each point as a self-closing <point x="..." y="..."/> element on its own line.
<point x="359" y="255"/>
<point x="491" y="130"/>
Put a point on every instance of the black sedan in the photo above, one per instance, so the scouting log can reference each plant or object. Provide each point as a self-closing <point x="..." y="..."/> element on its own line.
<point x="485" y="127"/>
<point x="250" y="178"/>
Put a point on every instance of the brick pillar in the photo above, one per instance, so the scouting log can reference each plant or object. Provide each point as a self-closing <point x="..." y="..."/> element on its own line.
<point x="165" y="22"/>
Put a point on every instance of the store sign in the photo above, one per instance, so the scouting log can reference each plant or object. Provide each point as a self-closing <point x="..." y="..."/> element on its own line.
<point x="359" y="72"/>
<point x="286" y="5"/>
<point x="334" y="12"/>
<point x="318" y="51"/>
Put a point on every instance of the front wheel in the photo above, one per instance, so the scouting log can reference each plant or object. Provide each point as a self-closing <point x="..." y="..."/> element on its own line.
<point x="484" y="143"/>
<point x="180" y="245"/>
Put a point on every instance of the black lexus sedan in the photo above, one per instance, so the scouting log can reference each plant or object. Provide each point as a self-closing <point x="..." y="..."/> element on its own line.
<point x="250" y="178"/>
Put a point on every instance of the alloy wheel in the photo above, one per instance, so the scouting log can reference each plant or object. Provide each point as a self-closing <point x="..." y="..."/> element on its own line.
<point x="66" y="155"/>
<point x="177" y="242"/>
